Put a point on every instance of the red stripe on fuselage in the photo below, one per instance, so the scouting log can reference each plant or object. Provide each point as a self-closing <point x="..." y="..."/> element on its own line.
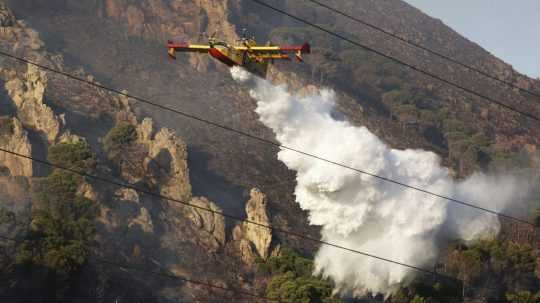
<point x="214" y="52"/>
<point x="290" y="48"/>
<point x="178" y="46"/>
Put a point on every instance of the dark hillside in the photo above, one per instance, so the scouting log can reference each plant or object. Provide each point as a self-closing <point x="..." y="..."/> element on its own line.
<point x="120" y="43"/>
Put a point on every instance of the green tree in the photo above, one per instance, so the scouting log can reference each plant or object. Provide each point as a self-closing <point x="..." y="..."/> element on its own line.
<point x="6" y="216"/>
<point x="118" y="138"/>
<point x="523" y="297"/>
<point x="62" y="227"/>
<point x="77" y="156"/>
<point x="289" y="287"/>
<point x="292" y="280"/>
<point x="58" y="241"/>
<point x="418" y="299"/>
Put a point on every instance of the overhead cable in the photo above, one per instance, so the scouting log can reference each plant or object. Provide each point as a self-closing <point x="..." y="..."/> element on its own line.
<point x="219" y="213"/>
<point x="167" y="275"/>
<point x="412" y="67"/>
<point x="265" y="141"/>
<point x="424" y="48"/>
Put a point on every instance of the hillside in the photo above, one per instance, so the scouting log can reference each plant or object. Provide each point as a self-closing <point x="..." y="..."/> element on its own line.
<point x="81" y="128"/>
<point x="120" y="43"/>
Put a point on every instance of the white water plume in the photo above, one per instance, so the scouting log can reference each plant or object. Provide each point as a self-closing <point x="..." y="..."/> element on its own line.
<point x="364" y="213"/>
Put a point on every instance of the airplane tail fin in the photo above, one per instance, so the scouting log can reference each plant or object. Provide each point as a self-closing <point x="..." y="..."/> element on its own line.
<point x="305" y="49"/>
<point x="171" y="50"/>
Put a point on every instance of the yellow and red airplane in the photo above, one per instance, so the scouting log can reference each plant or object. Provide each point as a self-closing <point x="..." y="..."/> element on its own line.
<point x="245" y="53"/>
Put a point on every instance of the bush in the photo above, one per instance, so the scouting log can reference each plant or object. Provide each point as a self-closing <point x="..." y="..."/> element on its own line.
<point x="288" y="260"/>
<point x="288" y="287"/>
<point x="62" y="226"/>
<point x="523" y="297"/>
<point x="6" y="216"/>
<point x="6" y="126"/>
<point x="425" y="289"/>
<point x="117" y="138"/>
<point x="418" y="299"/>
<point x="77" y="156"/>
<point x="292" y="279"/>
<point x="505" y="257"/>
<point x="511" y="264"/>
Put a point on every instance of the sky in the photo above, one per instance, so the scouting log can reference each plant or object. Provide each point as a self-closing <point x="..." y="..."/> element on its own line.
<point x="508" y="29"/>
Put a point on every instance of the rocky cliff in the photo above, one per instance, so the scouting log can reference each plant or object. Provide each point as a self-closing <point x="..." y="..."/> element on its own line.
<point x="254" y="241"/>
<point x="41" y="110"/>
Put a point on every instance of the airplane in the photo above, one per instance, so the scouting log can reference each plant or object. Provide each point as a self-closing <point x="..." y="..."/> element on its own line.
<point x="245" y="53"/>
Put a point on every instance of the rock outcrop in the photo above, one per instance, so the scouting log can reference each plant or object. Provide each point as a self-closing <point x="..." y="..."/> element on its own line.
<point x="166" y="163"/>
<point x="178" y="20"/>
<point x="253" y="240"/>
<point x="260" y="236"/>
<point x="6" y="16"/>
<point x="27" y="93"/>
<point x="16" y="31"/>
<point x="128" y="224"/>
<point x="14" y="138"/>
<point x="211" y="222"/>
<point x="143" y="220"/>
<point x="216" y="12"/>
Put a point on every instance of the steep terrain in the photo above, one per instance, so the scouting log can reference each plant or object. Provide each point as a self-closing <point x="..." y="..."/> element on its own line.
<point x="45" y="116"/>
<point x="120" y="43"/>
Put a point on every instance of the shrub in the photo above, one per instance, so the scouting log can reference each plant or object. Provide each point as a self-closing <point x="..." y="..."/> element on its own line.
<point x="426" y="289"/>
<point x="418" y="299"/>
<point x="77" y="156"/>
<point x="509" y="262"/>
<point x="117" y="138"/>
<point x="505" y="256"/>
<point x="62" y="226"/>
<point x="292" y="279"/>
<point x="288" y="287"/>
<point x="523" y="297"/>
<point x="6" y="216"/>
<point x="6" y="126"/>
<point x="288" y="260"/>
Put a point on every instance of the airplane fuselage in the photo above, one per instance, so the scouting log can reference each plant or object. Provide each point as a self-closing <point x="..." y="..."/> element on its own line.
<point x="248" y="54"/>
<point x="233" y="57"/>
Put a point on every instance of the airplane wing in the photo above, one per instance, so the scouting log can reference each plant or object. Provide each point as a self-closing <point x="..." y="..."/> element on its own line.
<point x="186" y="47"/>
<point x="298" y="50"/>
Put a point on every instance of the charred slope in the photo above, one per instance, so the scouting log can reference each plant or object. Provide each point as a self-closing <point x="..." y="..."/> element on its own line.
<point x="75" y="125"/>
<point x="120" y="42"/>
<point x="97" y="37"/>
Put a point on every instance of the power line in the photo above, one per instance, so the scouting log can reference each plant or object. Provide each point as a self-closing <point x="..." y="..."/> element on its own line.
<point x="417" y="69"/>
<point x="236" y="218"/>
<point x="175" y="277"/>
<point x="168" y="275"/>
<point x="417" y="45"/>
<point x="265" y="141"/>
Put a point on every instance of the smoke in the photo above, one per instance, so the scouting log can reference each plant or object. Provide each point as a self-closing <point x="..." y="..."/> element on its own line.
<point x="368" y="214"/>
